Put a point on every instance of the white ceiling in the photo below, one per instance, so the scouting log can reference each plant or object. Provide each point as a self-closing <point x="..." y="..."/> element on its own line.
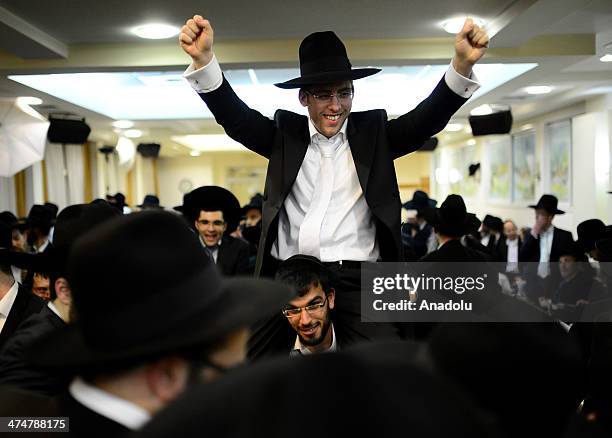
<point x="86" y="36"/>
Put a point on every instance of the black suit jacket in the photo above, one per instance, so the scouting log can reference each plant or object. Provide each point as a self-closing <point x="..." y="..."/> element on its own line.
<point x="502" y="249"/>
<point x="14" y="369"/>
<point x="530" y="250"/>
<point x="233" y="256"/>
<point x="24" y="305"/>
<point x="374" y="140"/>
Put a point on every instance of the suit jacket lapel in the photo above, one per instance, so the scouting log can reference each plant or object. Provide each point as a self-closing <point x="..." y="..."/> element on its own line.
<point x="362" y="148"/>
<point x="295" y="144"/>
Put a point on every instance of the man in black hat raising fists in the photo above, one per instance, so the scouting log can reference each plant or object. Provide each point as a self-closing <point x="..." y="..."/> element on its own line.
<point x="331" y="190"/>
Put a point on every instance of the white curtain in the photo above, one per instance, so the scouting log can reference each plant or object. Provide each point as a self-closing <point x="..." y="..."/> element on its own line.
<point x="7" y="194"/>
<point x="76" y="173"/>
<point x="56" y="175"/>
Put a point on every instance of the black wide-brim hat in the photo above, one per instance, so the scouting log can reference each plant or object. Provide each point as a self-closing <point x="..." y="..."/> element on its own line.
<point x="150" y="201"/>
<point x="212" y="198"/>
<point x="323" y="60"/>
<point x="419" y="201"/>
<point x="589" y="232"/>
<point x="143" y="286"/>
<point x="452" y="218"/>
<point x="548" y="203"/>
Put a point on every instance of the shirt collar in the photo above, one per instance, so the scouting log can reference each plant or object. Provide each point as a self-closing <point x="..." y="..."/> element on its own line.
<point x="548" y="232"/>
<point x="305" y="351"/>
<point x="6" y="303"/>
<point x="108" y="405"/>
<point x="54" y="309"/>
<point x="43" y="246"/>
<point x="316" y="134"/>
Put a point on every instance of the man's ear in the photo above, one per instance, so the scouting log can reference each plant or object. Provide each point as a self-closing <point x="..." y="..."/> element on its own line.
<point x="331" y="297"/>
<point x="167" y="378"/>
<point x="303" y="98"/>
<point x="62" y="291"/>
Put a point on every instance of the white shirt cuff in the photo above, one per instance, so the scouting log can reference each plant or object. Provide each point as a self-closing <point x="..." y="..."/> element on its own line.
<point x="205" y="79"/>
<point x="461" y="85"/>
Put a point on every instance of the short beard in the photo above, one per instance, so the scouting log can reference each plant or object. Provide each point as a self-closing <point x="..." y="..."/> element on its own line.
<point x="326" y="324"/>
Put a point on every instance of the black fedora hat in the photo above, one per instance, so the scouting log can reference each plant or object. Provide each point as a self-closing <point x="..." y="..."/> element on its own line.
<point x="256" y="202"/>
<point x="212" y="198"/>
<point x="144" y="287"/>
<point x="548" y="203"/>
<point x="150" y="202"/>
<point x="589" y="232"/>
<point x="323" y="60"/>
<point x="39" y="216"/>
<point x="452" y="218"/>
<point x="473" y="168"/>
<point x="493" y="223"/>
<point x="12" y="221"/>
<point x="419" y="201"/>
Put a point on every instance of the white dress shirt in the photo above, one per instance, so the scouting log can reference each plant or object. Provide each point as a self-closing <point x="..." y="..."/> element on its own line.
<point x="108" y="405"/>
<point x="6" y="303"/>
<point x="348" y="230"/>
<point x="512" y="255"/>
<point x="546" y="239"/>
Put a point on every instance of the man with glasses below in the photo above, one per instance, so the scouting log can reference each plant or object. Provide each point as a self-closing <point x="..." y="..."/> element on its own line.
<point x="331" y="190"/>
<point x="309" y="313"/>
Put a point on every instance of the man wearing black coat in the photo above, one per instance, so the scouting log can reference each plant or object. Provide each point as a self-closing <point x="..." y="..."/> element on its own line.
<point x="331" y="190"/>
<point x="215" y="213"/>
<point x="544" y="243"/>
<point x="16" y="302"/>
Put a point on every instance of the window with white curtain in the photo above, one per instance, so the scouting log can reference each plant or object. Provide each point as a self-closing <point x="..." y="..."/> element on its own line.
<point x="64" y="165"/>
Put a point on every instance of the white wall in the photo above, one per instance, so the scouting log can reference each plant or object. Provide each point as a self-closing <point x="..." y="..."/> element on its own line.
<point x="591" y="149"/>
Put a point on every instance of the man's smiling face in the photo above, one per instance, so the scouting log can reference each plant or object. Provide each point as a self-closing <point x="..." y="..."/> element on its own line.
<point x="328" y="105"/>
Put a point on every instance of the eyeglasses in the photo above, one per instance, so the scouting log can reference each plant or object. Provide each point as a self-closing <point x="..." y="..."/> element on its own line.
<point x="342" y="96"/>
<point x="311" y="309"/>
<point x="217" y="223"/>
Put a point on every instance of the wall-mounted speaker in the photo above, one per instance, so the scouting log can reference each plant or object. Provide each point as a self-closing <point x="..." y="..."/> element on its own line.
<point x="148" y="150"/>
<point x="496" y="123"/>
<point x="68" y="131"/>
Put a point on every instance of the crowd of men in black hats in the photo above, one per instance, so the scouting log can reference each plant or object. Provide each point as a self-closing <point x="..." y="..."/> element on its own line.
<point x="159" y="324"/>
<point x="143" y="327"/>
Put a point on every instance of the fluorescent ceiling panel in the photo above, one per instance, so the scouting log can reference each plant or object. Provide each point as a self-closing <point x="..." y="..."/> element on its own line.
<point x="166" y="95"/>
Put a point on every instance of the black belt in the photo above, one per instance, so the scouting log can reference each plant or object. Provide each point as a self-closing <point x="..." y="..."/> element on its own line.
<point x="343" y="264"/>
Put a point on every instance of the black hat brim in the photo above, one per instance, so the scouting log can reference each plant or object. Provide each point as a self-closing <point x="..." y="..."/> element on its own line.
<point x="244" y="302"/>
<point x="328" y="77"/>
<point x="551" y="211"/>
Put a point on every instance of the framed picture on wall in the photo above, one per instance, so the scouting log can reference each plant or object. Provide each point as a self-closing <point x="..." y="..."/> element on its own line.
<point x="559" y="141"/>
<point x="524" y="167"/>
<point x="500" y="158"/>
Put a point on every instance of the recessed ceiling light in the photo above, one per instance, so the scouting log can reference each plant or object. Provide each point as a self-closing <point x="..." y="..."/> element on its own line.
<point x="155" y="31"/>
<point x="133" y="133"/>
<point x="454" y="25"/>
<point x="606" y="58"/>
<point x="482" y="110"/>
<point x="538" y="89"/>
<point x="123" y="124"/>
<point x="471" y="142"/>
<point x="526" y="127"/>
<point x="195" y="153"/>
<point x="29" y="100"/>
<point x="453" y="127"/>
